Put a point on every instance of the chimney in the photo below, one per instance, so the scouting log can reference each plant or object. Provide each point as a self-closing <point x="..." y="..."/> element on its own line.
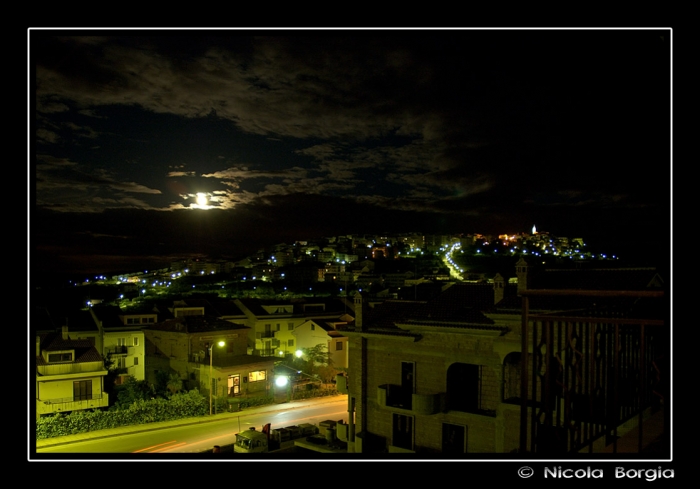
<point x="521" y="270"/>
<point x="499" y="285"/>
<point x="38" y="346"/>
<point x="64" y="332"/>
<point x="357" y="300"/>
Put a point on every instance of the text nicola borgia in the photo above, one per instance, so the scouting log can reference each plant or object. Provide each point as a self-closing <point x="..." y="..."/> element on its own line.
<point x="620" y="473"/>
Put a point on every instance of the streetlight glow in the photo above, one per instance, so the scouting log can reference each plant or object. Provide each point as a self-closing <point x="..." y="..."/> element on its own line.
<point x="211" y="378"/>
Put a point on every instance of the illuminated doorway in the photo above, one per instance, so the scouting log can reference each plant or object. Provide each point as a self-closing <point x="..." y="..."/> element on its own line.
<point x="234" y="385"/>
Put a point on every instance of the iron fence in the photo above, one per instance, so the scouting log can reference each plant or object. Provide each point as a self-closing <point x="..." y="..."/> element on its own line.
<point x="585" y="372"/>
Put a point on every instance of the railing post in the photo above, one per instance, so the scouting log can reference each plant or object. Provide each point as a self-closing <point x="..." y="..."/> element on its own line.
<point x="524" y="362"/>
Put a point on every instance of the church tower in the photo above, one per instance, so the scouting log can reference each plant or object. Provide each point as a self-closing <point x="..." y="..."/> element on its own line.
<point x="357" y="300"/>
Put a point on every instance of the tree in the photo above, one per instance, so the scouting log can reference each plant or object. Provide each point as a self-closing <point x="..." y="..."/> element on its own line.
<point x="316" y="357"/>
<point x="174" y="384"/>
<point x="132" y="390"/>
<point x="317" y="354"/>
<point x="167" y="384"/>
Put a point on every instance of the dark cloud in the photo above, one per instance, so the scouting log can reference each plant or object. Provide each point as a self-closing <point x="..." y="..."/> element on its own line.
<point x="293" y="133"/>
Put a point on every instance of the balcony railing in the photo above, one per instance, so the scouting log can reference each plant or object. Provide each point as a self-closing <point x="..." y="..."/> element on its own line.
<point x="118" y="350"/>
<point x="393" y="396"/>
<point x="66" y="404"/>
<point x="586" y="372"/>
<point x="70" y="368"/>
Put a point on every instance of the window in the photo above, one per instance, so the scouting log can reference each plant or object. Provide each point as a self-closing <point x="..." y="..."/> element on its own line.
<point x="121" y="341"/>
<point x="402" y="432"/>
<point x="511" y="377"/>
<point x="454" y="438"/>
<point x="290" y="326"/>
<point x="278" y="326"/>
<point x="60" y="357"/>
<point x="290" y="342"/>
<point x="256" y="376"/>
<point x="136" y="341"/>
<point x="136" y="361"/>
<point x="338" y="345"/>
<point x="82" y="390"/>
<point x="464" y="387"/>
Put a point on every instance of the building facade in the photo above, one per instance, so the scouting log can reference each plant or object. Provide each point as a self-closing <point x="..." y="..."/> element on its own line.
<point x="69" y="375"/>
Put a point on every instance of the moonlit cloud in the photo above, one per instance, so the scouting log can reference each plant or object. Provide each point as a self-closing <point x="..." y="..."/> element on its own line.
<point x="439" y="128"/>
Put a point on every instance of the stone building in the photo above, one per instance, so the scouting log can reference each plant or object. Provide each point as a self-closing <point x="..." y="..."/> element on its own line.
<point x="455" y="374"/>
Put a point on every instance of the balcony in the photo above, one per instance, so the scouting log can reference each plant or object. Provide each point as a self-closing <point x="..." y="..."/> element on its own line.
<point x="70" y="368"/>
<point x="588" y="373"/>
<point x="394" y="397"/>
<point x="67" y="404"/>
<point x="117" y="350"/>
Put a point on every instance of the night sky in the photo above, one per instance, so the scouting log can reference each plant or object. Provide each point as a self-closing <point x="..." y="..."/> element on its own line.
<point x="297" y="134"/>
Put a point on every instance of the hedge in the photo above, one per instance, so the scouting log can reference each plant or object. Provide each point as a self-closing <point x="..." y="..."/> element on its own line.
<point x="179" y="406"/>
<point x="182" y="405"/>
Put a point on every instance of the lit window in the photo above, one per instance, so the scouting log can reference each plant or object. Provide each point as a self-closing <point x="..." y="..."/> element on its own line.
<point x="257" y="376"/>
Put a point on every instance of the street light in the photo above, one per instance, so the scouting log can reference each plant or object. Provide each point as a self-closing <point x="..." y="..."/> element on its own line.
<point x="211" y="378"/>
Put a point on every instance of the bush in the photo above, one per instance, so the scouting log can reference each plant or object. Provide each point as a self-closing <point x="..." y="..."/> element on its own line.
<point x="182" y="405"/>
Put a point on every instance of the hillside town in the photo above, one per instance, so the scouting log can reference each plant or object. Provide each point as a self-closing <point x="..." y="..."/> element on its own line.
<point x="442" y="344"/>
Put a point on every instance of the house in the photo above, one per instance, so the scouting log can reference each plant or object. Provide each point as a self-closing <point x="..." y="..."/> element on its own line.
<point x="493" y="368"/>
<point x="274" y="325"/>
<point x="188" y="346"/>
<point x="312" y="333"/>
<point x="122" y="339"/>
<point x="69" y="374"/>
<point x="423" y="377"/>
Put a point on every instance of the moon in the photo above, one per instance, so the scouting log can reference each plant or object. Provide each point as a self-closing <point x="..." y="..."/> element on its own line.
<point x="202" y="199"/>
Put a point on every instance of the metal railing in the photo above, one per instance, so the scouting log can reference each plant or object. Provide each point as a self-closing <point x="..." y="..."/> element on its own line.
<point x="64" y="400"/>
<point x="585" y="372"/>
<point x="117" y="350"/>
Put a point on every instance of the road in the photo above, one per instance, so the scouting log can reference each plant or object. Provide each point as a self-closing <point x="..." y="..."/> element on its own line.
<point x="196" y="438"/>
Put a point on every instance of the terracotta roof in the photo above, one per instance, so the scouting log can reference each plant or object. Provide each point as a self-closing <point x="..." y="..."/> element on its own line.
<point x="460" y="303"/>
<point x="84" y="350"/>
<point x="459" y="325"/>
<point x="238" y="360"/>
<point x="196" y="324"/>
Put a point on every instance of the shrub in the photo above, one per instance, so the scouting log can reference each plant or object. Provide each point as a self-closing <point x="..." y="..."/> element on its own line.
<point x="181" y="405"/>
